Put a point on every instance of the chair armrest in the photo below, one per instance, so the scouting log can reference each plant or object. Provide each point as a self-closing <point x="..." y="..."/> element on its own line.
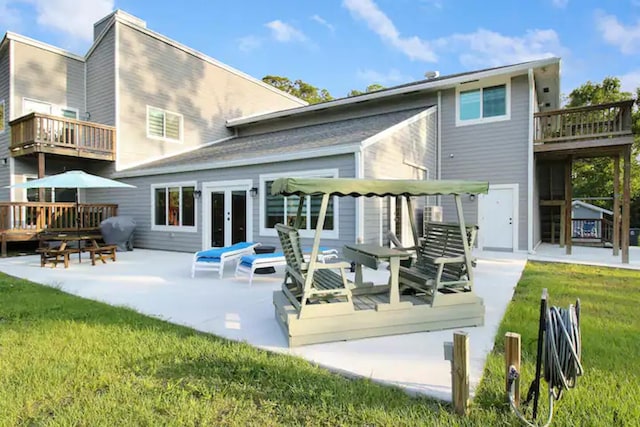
<point x="332" y="265"/>
<point x="448" y="260"/>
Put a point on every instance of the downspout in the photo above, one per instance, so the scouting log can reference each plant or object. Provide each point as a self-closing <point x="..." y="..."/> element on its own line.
<point x="360" y="200"/>
<point x="439" y="144"/>
<point x="12" y="115"/>
<point x="116" y="65"/>
<point x="530" y="163"/>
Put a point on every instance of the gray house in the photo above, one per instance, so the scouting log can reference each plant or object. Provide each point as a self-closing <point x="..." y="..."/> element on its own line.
<point x="202" y="142"/>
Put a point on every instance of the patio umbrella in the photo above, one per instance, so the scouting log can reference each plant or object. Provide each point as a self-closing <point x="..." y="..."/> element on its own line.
<point x="73" y="179"/>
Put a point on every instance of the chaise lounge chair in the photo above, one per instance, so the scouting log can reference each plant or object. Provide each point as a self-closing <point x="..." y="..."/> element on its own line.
<point x="249" y="263"/>
<point x="215" y="258"/>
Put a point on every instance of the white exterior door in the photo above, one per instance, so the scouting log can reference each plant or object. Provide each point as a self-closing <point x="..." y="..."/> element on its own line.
<point x="399" y="221"/>
<point x="227" y="213"/>
<point x="499" y="218"/>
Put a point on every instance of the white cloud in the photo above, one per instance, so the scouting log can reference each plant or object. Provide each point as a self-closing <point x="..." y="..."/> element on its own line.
<point x="560" y="4"/>
<point x="283" y="32"/>
<point x="626" y="38"/>
<point x="630" y="81"/>
<point x="414" y="47"/>
<point x="392" y="76"/>
<point x="74" y="18"/>
<point x="486" y="48"/>
<point x="323" y="22"/>
<point x="249" y="43"/>
<point x="437" y="4"/>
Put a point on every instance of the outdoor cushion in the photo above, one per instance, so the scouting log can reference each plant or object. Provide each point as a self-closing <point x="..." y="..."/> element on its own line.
<point x="215" y="253"/>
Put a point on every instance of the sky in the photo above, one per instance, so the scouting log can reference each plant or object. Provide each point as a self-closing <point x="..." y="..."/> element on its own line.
<point x="341" y="45"/>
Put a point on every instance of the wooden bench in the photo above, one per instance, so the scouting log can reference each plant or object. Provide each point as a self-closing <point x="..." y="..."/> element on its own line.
<point x="103" y="253"/>
<point x="442" y="263"/>
<point x="55" y="256"/>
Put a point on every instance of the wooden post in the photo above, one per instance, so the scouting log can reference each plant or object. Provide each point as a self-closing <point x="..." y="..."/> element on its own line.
<point x="568" y="195"/>
<point x="41" y="173"/>
<point x="3" y="245"/>
<point x="512" y="358"/>
<point x="616" y="205"/>
<point x="562" y="226"/>
<point x="626" y="205"/>
<point x="460" y="383"/>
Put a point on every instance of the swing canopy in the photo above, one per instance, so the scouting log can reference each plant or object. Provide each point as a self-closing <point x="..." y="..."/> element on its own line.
<point x="375" y="187"/>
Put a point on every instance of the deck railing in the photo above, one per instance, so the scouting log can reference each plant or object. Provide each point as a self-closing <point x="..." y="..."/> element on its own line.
<point x="36" y="217"/>
<point x="37" y="132"/>
<point x="592" y="122"/>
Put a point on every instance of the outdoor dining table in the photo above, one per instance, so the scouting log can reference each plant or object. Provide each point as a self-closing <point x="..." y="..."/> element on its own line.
<point x="362" y="253"/>
<point x="91" y="239"/>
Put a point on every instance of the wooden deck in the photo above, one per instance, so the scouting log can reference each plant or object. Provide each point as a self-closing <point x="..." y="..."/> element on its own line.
<point x="593" y="131"/>
<point x="42" y="133"/>
<point x="25" y="221"/>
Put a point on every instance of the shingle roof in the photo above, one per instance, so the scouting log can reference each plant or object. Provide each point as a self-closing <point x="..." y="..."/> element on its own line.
<point x="336" y="133"/>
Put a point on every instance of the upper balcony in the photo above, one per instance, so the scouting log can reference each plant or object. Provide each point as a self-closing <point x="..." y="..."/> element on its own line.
<point x="42" y="133"/>
<point x="592" y="130"/>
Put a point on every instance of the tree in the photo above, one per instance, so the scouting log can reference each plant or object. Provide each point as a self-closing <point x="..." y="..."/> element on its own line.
<point x="299" y="89"/>
<point x="594" y="177"/>
<point x="371" y="88"/>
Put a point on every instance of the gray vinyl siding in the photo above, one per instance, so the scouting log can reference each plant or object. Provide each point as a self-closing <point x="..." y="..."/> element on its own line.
<point x="137" y="202"/>
<point x="99" y="26"/>
<point x="396" y="156"/>
<point x="47" y="76"/>
<point x="152" y="72"/>
<point x="494" y="152"/>
<point x="5" y="135"/>
<point x="352" y="111"/>
<point x="101" y="81"/>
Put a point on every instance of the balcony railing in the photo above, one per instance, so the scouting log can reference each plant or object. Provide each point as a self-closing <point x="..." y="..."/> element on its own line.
<point x="36" y="217"/>
<point x="58" y="135"/>
<point x="582" y="123"/>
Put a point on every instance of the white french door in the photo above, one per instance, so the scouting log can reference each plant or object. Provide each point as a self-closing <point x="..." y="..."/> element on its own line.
<point x="227" y="212"/>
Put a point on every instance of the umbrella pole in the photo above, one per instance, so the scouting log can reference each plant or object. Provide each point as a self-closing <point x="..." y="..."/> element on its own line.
<point x="78" y="224"/>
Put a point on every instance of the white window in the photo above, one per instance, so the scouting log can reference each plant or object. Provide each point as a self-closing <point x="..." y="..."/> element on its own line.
<point x="2" y="116"/>
<point x="482" y="102"/>
<point x="173" y="207"/>
<point x="35" y="106"/>
<point x="163" y="124"/>
<point x="280" y="209"/>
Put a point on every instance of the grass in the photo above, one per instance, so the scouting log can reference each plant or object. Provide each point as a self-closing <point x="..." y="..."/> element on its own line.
<point x="65" y="360"/>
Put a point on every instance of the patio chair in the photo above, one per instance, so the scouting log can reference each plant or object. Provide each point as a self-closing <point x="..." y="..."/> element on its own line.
<point x="248" y="264"/>
<point x="214" y="259"/>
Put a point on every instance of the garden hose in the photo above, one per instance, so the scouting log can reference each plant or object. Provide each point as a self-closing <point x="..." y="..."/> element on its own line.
<point x="561" y="357"/>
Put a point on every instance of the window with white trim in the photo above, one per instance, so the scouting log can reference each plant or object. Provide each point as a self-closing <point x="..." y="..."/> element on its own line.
<point x="2" y="116"/>
<point x="283" y="209"/>
<point x="162" y="124"/>
<point x="482" y="103"/>
<point x="173" y="207"/>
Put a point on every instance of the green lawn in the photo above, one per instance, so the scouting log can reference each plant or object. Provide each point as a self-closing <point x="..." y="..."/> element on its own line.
<point x="69" y="361"/>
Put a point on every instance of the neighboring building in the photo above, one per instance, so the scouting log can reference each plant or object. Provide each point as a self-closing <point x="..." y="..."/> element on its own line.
<point x="203" y="142"/>
<point x="591" y="222"/>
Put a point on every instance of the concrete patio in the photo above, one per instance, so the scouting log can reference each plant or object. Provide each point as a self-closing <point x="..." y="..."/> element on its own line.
<point x="158" y="283"/>
<point x="586" y="255"/>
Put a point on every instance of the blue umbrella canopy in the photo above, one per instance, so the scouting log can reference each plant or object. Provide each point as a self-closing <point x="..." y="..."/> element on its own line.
<point x="72" y="179"/>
